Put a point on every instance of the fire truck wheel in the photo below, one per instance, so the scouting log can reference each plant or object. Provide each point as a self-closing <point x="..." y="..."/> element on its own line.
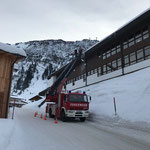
<point x="63" y="116"/>
<point x="82" y="119"/>
<point x="50" y="114"/>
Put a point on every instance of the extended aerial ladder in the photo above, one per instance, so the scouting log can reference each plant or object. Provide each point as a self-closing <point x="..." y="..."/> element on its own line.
<point x="57" y="86"/>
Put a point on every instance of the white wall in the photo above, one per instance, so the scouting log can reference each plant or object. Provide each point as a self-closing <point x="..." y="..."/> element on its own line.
<point x="137" y="66"/>
<point x="93" y="78"/>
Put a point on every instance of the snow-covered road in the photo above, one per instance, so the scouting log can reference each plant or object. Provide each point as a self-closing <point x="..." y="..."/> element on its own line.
<point x="29" y="133"/>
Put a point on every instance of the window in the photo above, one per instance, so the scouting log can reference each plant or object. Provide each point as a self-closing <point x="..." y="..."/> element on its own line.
<point x="108" y="54"/>
<point x="140" y="54"/>
<point x="138" y="38"/>
<point x="77" y="98"/>
<point x="125" y="45"/>
<point x="118" y="50"/>
<point x="126" y="60"/>
<point x="104" y="55"/>
<point x="145" y="36"/>
<point x="84" y="77"/>
<point x="114" y="64"/>
<point x="99" y="71"/>
<point x="92" y="72"/>
<point x="113" y="51"/>
<point x="79" y="77"/>
<point x="147" y="51"/>
<point x="119" y="63"/>
<point x="131" y="41"/>
<point x="104" y="69"/>
<point x="145" y="31"/>
<point x="96" y="70"/>
<point x="108" y="67"/>
<point x="132" y="58"/>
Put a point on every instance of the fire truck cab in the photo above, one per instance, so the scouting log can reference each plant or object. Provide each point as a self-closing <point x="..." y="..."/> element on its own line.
<point x="69" y="105"/>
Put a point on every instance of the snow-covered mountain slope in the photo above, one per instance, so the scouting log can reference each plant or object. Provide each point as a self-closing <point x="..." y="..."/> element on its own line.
<point x="43" y="58"/>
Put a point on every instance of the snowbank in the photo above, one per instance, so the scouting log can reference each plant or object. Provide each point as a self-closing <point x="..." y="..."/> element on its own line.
<point x="132" y="94"/>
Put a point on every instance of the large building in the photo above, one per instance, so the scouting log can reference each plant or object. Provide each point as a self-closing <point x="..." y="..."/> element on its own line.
<point x="124" y="51"/>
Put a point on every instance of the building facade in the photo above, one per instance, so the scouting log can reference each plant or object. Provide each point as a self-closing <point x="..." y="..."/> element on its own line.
<point x="8" y="57"/>
<point x="124" y="51"/>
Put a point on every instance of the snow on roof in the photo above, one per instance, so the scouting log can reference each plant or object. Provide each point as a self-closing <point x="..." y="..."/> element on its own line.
<point x="11" y="49"/>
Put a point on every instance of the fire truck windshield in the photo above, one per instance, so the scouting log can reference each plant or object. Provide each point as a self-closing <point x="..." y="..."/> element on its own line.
<point x="78" y="98"/>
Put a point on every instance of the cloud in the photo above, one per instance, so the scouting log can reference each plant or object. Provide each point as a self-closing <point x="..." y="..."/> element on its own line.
<point x="24" y="20"/>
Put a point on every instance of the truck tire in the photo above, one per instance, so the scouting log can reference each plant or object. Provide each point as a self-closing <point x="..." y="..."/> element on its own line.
<point x="82" y="119"/>
<point x="63" y="116"/>
<point x="50" y="113"/>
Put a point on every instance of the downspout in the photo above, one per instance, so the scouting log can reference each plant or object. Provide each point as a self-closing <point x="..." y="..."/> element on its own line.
<point x="9" y="88"/>
<point x="86" y="74"/>
<point x="122" y="57"/>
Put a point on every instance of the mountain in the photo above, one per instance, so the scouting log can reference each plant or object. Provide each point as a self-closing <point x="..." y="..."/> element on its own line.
<point x="43" y="58"/>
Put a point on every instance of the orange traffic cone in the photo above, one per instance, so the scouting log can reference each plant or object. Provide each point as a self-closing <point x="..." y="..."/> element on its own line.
<point x="41" y="116"/>
<point x="35" y="114"/>
<point x="45" y="117"/>
<point x="56" y="121"/>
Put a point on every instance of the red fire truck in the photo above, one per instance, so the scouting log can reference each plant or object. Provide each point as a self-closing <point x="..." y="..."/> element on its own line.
<point x="66" y="105"/>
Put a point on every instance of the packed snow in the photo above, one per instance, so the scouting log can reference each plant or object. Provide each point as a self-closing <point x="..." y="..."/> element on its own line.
<point x="27" y="132"/>
<point x="132" y="100"/>
<point x="11" y="49"/>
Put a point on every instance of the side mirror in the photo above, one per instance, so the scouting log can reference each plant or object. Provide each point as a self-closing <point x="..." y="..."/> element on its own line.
<point x="89" y="98"/>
